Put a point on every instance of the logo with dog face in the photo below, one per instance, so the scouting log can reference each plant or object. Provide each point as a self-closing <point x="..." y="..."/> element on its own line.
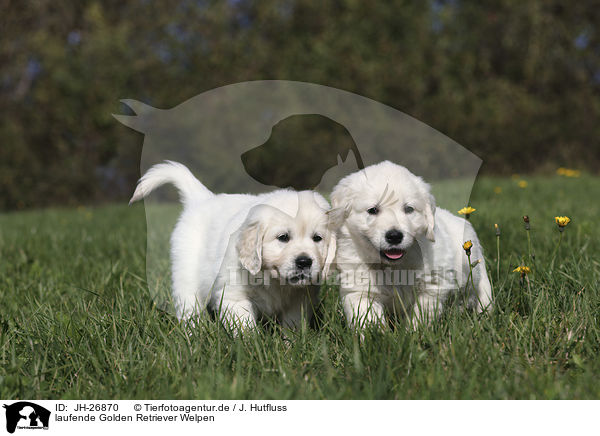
<point x="253" y="137"/>
<point x="26" y="415"/>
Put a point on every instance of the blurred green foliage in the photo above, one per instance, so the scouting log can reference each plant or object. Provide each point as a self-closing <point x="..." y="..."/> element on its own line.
<point x="515" y="82"/>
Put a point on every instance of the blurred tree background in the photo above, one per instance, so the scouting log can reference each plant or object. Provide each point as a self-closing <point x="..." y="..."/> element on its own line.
<point x="515" y="82"/>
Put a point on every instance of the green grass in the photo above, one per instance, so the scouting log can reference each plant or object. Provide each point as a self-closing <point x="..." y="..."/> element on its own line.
<point x="77" y="319"/>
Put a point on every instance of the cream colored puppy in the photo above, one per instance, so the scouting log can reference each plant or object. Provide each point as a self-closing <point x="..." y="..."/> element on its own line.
<point x="397" y="252"/>
<point x="245" y="256"/>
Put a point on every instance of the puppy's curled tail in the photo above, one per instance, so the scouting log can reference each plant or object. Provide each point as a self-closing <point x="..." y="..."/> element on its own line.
<point x="190" y="189"/>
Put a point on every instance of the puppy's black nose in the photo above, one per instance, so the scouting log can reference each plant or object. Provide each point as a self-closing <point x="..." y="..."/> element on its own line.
<point x="394" y="236"/>
<point x="303" y="262"/>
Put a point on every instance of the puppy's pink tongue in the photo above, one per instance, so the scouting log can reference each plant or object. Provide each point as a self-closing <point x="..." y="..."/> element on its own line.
<point x="394" y="254"/>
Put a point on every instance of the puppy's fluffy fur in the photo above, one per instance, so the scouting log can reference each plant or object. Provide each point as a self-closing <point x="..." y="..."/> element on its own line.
<point x="245" y="256"/>
<point x="392" y="234"/>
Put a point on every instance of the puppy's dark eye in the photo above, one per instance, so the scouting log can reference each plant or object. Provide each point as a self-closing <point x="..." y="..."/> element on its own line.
<point x="317" y="238"/>
<point x="284" y="238"/>
<point x="373" y="211"/>
<point x="408" y="209"/>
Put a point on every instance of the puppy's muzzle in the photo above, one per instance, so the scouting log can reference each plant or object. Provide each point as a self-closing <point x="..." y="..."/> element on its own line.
<point x="303" y="262"/>
<point x="394" y="237"/>
<point x="303" y="265"/>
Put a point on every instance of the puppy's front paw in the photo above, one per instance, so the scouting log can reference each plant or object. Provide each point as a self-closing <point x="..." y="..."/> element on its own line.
<point x="363" y="310"/>
<point x="368" y="320"/>
<point x="426" y="310"/>
<point x="238" y="317"/>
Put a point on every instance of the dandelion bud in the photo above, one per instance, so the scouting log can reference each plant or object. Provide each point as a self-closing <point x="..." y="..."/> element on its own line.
<point x="467" y="247"/>
<point x="526" y="220"/>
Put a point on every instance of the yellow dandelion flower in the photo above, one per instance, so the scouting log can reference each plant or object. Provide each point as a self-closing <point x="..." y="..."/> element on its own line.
<point x="467" y="246"/>
<point x="573" y="173"/>
<point x="522" y="269"/>
<point x="466" y="211"/>
<point x="562" y="221"/>
<point x="497" y="190"/>
<point x="568" y="172"/>
<point x="522" y="184"/>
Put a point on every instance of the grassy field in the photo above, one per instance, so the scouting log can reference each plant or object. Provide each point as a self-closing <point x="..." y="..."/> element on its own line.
<point x="77" y="320"/>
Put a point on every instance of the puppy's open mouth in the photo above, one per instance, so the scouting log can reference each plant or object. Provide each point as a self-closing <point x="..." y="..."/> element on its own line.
<point x="392" y="254"/>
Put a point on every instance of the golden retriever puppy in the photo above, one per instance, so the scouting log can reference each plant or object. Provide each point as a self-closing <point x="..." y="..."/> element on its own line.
<point x="396" y="252"/>
<point x="245" y="256"/>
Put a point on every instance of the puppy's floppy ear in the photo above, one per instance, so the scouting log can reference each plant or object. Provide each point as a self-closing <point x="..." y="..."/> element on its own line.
<point x="429" y="209"/>
<point x="249" y="245"/>
<point x="331" y="249"/>
<point x="430" y="217"/>
<point x="340" y="196"/>
<point x="341" y="203"/>
<point x="336" y="217"/>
